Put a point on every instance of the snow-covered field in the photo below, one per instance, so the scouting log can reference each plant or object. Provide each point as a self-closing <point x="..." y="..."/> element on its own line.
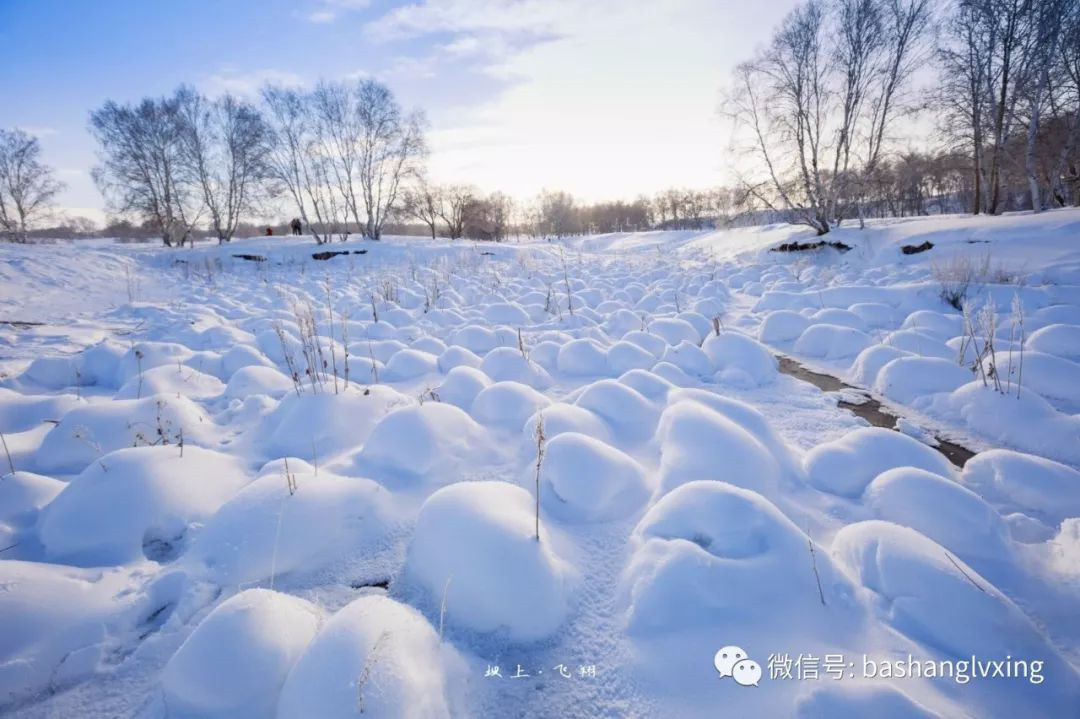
<point x="283" y="486"/>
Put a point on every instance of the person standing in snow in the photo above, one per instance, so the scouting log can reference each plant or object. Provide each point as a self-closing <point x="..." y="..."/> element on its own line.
<point x="296" y="226"/>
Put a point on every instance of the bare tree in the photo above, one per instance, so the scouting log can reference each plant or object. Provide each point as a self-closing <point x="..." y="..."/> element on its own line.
<point x="142" y="167"/>
<point x="339" y="132"/>
<point x="27" y="185"/>
<point x="225" y="145"/>
<point x="455" y="201"/>
<point x="391" y="150"/>
<point x="424" y="202"/>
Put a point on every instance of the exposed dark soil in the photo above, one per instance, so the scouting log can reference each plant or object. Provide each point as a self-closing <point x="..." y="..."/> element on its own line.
<point x="805" y="246"/>
<point x="916" y="249"/>
<point x="870" y="409"/>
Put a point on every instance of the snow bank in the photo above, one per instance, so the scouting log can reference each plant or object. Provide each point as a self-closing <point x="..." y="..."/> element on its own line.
<point x="825" y="341"/>
<point x="625" y="356"/>
<point x="699" y="443"/>
<point x="1057" y="339"/>
<point x="136" y="502"/>
<point x="704" y="539"/>
<point x="507" y="363"/>
<point x="87" y="432"/>
<point x="172" y="379"/>
<point x="740" y="359"/>
<point x="845" y="466"/>
<point x="19" y="413"/>
<point x="265" y="530"/>
<point x="480" y="536"/>
<point x="409" y="364"/>
<point x="236" y="660"/>
<point x="22" y="494"/>
<point x="378" y="658"/>
<point x="782" y="326"/>
<point x="1016" y="482"/>
<point x="582" y="357"/>
<point x="906" y="379"/>
<point x="587" y="480"/>
<point x="507" y="404"/>
<point x="257" y="379"/>
<point x="623" y="407"/>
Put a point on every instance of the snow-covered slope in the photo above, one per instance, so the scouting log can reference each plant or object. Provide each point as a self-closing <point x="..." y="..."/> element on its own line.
<point x="429" y="478"/>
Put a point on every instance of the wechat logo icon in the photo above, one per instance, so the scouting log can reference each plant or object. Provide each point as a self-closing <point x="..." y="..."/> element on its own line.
<point x="733" y="662"/>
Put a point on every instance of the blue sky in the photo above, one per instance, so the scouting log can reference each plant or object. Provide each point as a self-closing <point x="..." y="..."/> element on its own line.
<point x="604" y="99"/>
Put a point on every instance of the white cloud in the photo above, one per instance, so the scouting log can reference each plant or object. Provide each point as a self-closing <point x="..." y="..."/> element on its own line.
<point x="38" y="131"/>
<point x="246" y="84"/>
<point x="321" y="16"/>
<point x="330" y="9"/>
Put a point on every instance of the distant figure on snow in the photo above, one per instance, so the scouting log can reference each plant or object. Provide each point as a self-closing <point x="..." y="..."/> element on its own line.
<point x="296" y="226"/>
<point x="269" y="231"/>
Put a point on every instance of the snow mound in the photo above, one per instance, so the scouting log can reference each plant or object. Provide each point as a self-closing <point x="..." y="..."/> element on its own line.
<point x="585" y="479"/>
<point x="19" y="413"/>
<point x="880" y="702"/>
<point x="507" y="404"/>
<point x="507" y="363"/>
<point x="475" y="338"/>
<point x="87" y="432"/>
<point x="1020" y="482"/>
<point x="625" y="356"/>
<point x="257" y="379"/>
<point x="480" y="537"/>
<point x="738" y="357"/>
<point x="782" y="326"/>
<point x="905" y="379"/>
<point x="1057" y="339"/>
<point x="455" y="356"/>
<point x="690" y="358"/>
<point x="826" y="341"/>
<point x="422" y="440"/>
<point x="935" y="599"/>
<point x="705" y="538"/>
<point x="318" y="425"/>
<point x="236" y="660"/>
<point x="266" y="530"/>
<point x="673" y="331"/>
<point x="137" y="502"/>
<point x="378" y="658"/>
<point x="23" y="494"/>
<point x="582" y="357"/>
<point x="461" y="386"/>
<point x="172" y="379"/>
<point x="647" y="384"/>
<point x="936" y="324"/>
<point x="864" y="371"/>
<point x="697" y="442"/>
<point x="409" y="364"/>
<point x="624" y="408"/>
<point x="845" y="466"/>
<point x="561" y="417"/>
<point x="961" y="521"/>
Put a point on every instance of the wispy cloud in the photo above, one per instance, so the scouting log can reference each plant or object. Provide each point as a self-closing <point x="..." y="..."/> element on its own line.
<point x="38" y="131"/>
<point x="330" y="10"/>
<point x="246" y="84"/>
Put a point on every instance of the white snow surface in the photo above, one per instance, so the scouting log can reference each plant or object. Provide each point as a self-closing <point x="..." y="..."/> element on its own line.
<point x="539" y="478"/>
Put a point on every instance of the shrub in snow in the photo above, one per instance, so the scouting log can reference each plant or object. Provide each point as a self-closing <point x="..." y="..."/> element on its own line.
<point x="560" y="417"/>
<point x="647" y="341"/>
<point x="831" y="342"/>
<point x="507" y="363"/>
<point x="782" y="326"/>
<point x="58" y="624"/>
<point x="287" y="520"/>
<point x="317" y="425"/>
<point x="19" y="413"/>
<point x="624" y="356"/>
<point x="475" y="338"/>
<point x="22" y="494"/>
<point x="585" y="479"/>
<point x="690" y="358"/>
<point x="936" y="324"/>
<point x="864" y="371"/>
<point x="699" y="443"/>
<point x="673" y="331"/>
<point x="1059" y="339"/>
<point x="136" y="502"/>
<point x="409" y="364"/>
<point x="1020" y="482"/>
<point x="905" y="379"/>
<point x="709" y="552"/>
<point x="623" y="407"/>
<point x="702" y="324"/>
<point x="507" y="404"/>
<point x="481" y="537"/>
<point x="582" y="357"/>
<point x="739" y="358"/>
<point x="172" y="379"/>
<point x="455" y="356"/>
<point x="374" y="658"/>
<point x="836" y="316"/>
<point x="236" y="660"/>
<point x="1055" y="378"/>
<point x="845" y="466"/>
<point x="928" y="595"/>
<point x="647" y="384"/>
<point x="943" y="510"/>
<point x="88" y="432"/>
<point x="422" y="440"/>
<point x="257" y="379"/>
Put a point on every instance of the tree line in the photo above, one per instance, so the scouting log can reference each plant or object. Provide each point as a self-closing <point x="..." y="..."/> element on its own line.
<point x="818" y="105"/>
